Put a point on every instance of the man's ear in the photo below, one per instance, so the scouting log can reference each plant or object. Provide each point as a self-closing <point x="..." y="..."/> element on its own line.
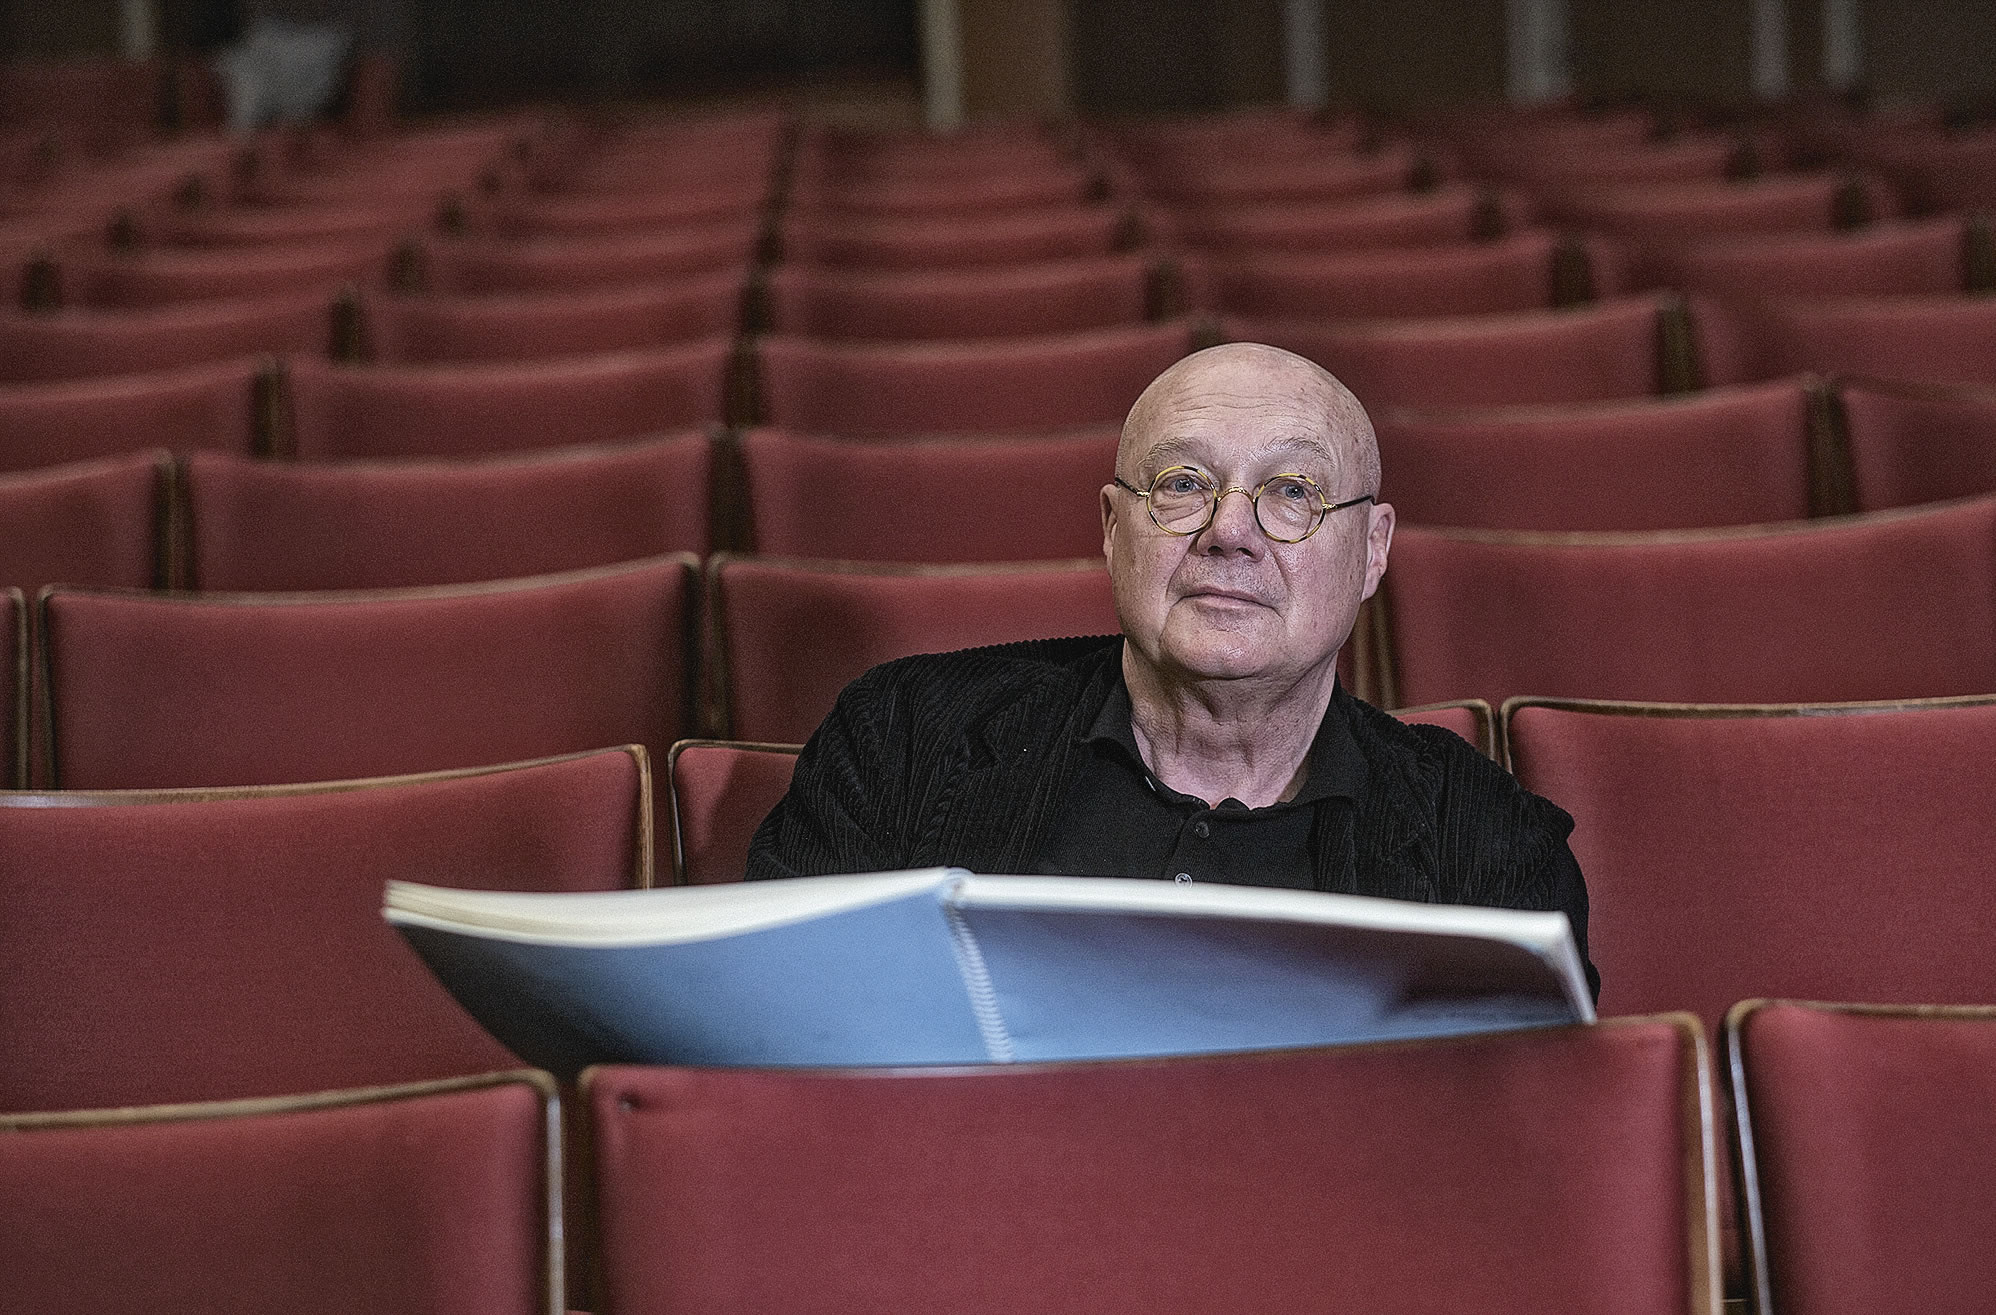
<point x="1108" y="518"/>
<point x="1378" y="541"/>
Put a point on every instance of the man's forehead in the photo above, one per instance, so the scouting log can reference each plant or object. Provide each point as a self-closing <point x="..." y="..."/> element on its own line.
<point x="1196" y="445"/>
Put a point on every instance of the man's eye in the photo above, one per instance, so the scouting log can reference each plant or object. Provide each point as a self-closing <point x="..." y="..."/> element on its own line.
<point x="1292" y="490"/>
<point x="1181" y="485"/>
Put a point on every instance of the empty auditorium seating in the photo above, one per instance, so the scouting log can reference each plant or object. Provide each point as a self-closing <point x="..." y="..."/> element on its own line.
<point x="1910" y="444"/>
<point x="1583" y="354"/>
<point x="380" y="221"/>
<point x="96" y="522"/>
<point x="437" y="1198"/>
<point x="168" y="276"/>
<point x="1867" y="1152"/>
<point x="1914" y="257"/>
<point x="467" y="409"/>
<point x="1005" y="237"/>
<point x="573" y="263"/>
<point x="977" y="302"/>
<point x="80" y="343"/>
<point x="1790" y="203"/>
<point x="1948" y="339"/>
<point x="1814" y="852"/>
<point x="201" y="406"/>
<point x="979" y="498"/>
<point x="720" y="791"/>
<point x="1725" y="457"/>
<point x="939" y="197"/>
<point x="737" y="198"/>
<point x="1052" y="382"/>
<point x="1889" y="605"/>
<point x="1454" y="213"/>
<point x="207" y="944"/>
<point x="232" y="689"/>
<point x="1171" y="1186"/>
<point x="777" y="687"/>
<point x="1528" y="271"/>
<point x="520" y="326"/>
<point x="370" y="525"/>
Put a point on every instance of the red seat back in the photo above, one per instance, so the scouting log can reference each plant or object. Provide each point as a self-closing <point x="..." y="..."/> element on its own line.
<point x="1942" y="340"/>
<point x="169" y="276"/>
<point x="524" y="326"/>
<point x="1923" y="256"/>
<point x="778" y="689"/>
<point x="431" y="1200"/>
<point x="251" y="689"/>
<point x="1448" y="214"/>
<point x="1193" y="1184"/>
<point x="920" y="242"/>
<point x="981" y="498"/>
<point x="206" y="944"/>
<point x="1726" y="457"/>
<point x="1868" y="1142"/>
<point x="1054" y="382"/>
<point x="1797" y="613"/>
<point x="1469" y="718"/>
<point x="1911" y="444"/>
<point x="202" y="406"/>
<point x="573" y="263"/>
<point x="1807" y="852"/>
<point x="91" y="523"/>
<point x="262" y="525"/>
<point x="721" y="790"/>
<point x="1010" y="301"/>
<point x="13" y="687"/>
<point x="1586" y="354"/>
<point x="79" y="344"/>
<point x="487" y="407"/>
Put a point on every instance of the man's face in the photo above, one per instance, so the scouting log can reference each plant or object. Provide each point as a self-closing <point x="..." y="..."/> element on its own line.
<point x="1229" y="602"/>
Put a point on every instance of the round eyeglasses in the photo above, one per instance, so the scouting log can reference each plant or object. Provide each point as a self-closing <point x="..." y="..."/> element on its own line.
<point x="1289" y="508"/>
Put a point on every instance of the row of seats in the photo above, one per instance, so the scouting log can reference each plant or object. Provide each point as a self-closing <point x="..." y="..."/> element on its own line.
<point x="725" y="1191"/>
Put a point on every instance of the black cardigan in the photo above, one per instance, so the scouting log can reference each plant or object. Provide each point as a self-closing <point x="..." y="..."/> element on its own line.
<point x="963" y="759"/>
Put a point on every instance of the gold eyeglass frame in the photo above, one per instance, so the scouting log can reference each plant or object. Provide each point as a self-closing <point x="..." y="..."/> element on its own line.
<point x="1254" y="502"/>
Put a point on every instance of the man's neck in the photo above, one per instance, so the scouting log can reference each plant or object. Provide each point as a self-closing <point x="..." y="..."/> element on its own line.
<point x="1231" y="739"/>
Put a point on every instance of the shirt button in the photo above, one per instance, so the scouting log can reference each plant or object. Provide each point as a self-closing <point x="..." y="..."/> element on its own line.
<point x="1201" y="829"/>
<point x="1182" y="877"/>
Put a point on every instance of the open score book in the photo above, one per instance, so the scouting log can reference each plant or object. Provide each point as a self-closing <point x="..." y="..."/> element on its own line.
<point x="944" y="967"/>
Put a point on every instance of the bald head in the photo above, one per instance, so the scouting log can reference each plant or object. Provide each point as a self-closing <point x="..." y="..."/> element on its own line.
<point x="1247" y="374"/>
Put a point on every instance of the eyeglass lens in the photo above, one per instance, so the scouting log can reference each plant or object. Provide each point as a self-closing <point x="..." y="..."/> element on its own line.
<point x="1287" y="506"/>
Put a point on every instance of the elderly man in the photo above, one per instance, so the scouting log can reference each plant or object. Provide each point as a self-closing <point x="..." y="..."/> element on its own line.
<point x="1211" y="740"/>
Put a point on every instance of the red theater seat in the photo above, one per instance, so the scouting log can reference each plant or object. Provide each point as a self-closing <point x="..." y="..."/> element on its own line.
<point x="1584" y="354"/>
<point x="1331" y="176"/>
<point x="1924" y="256"/>
<point x="1909" y="444"/>
<point x="275" y="526"/>
<point x="1727" y="457"/>
<point x="921" y="243"/>
<point x="1788" y="203"/>
<point x="480" y="408"/>
<point x="1945" y="340"/>
<point x="168" y="276"/>
<point x="526" y="326"/>
<point x="1446" y="215"/>
<point x="13" y="688"/>
<point x="90" y="522"/>
<point x="81" y="344"/>
<point x="417" y="1200"/>
<point x="1055" y="382"/>
<point x="1525" y="272"/>
<point x="973" y="194"/>
<point x="982" y="498"/>
<point x="1890" y="605"/>
<point x="735" y="199"/>
<point x="777" y="690"/>
<point x="178" y="945"/>
<point x="235" y="689"/>
<point x="1171" y="1186"/>
<point x="720" y="791"/>
<point x="570" y="264"/>
<point x="1866" y="1136"/>
<point x="1469" y="718"/>
<point x="1010" y="301"/>
<point x="378" y="222"/>
<point x="202" y="406"/>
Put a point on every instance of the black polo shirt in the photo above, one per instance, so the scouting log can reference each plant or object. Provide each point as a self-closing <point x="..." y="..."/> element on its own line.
<point x="1121" y="821"/>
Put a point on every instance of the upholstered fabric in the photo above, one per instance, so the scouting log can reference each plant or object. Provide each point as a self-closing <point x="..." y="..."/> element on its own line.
<point x="185" y="947"/>
<point x="1534" y="1171"/>
<point x="1894" y="605"/>
<point x="496" y="327"/>
<point x="1947" y="339"/>
<point x="1786" y="203"/>
<point x="167" y="276"/>
<point x="201" y="406"/>
<point x="1051" y="382"/>
<point x="228" y="689"/>
<point x="1392" y="219"/>
<point x="937" y="198"/>
<point x="465" y="409"/>
<point x="1329" y="177"/>
<point x="1872" y="1150"/>
<point x="1586" y="354"/>
<point x="792" y="634"/>
<point x="920" y="242"/>
<point x="980" y="498"/>
<point x="1916" y="256"/>
<point x="13" y="687"/>
<point x="88" y="522"/>
<point x="1910" y="444"/>
<point x="418" y="1205"/>
<point x="720" y="794"/>
<point x="265" y="525"/>
<point x="735" y="198"/>
<point x="555" y="264"/>
<point x="79" y="344"/>
<point x="1724" y="457"/>
<point x="1011" y="301"/>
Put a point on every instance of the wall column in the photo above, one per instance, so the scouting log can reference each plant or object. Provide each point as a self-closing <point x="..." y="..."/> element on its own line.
<point x="942" y="66"/>
<point x="1537" y="57"/>
<point x="1306" y="73"/>
<point x="1843" y="45"/>
<point x="1769" y="59"/>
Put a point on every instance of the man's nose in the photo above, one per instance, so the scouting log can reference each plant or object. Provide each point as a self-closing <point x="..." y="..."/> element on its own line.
<point x="1234" y="526"/>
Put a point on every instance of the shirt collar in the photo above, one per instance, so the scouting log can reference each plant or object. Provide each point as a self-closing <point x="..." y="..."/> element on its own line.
<point x="1336" y="767"/>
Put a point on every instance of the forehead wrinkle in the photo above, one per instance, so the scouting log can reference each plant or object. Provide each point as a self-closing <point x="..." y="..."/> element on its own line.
<point x="1176" y="447"/>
